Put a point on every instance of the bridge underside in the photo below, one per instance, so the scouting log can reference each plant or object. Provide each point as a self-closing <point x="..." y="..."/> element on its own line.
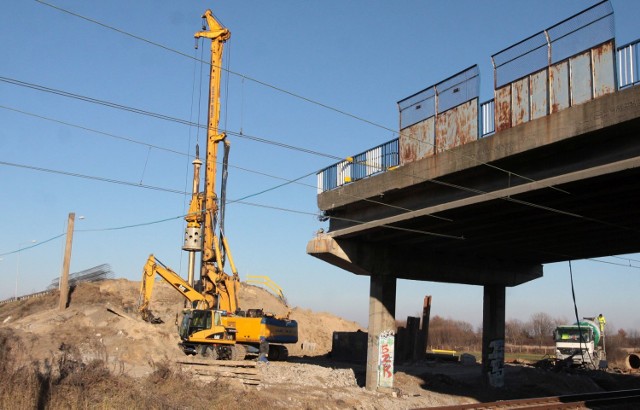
<point x="492" y="212"/>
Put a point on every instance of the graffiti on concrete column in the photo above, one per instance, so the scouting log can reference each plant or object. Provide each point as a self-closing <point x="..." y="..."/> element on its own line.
<point x="496" y="363"/>
<point x="385" y="358"/>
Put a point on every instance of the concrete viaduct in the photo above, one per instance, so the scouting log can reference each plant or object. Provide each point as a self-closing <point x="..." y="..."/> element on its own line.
<point x="492" y="210"/>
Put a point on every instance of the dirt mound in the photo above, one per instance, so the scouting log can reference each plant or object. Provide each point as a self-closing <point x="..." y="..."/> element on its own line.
<point x="102" y="322"/>
<point x="100" y="338"/>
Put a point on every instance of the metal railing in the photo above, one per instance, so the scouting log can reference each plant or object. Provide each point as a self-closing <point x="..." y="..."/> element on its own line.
<point x="29" y="296"/>
<point x="487" y="118"/>
<point x="582" y="31"/>
<point x="438" y="98"/>
<point x="628" y="62"/>
<point x="367" y="163"/>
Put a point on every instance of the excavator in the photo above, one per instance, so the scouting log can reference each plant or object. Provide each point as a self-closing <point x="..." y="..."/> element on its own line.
<point x="201" y="329"/>
<point x="214" y="325"/>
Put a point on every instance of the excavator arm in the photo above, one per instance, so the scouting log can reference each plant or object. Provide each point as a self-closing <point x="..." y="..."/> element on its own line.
<point x="153" y="267"/>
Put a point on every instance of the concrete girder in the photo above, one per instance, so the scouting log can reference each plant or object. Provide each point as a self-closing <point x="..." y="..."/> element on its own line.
<point x="400" y="262"/>
<point x="506" y="193"/>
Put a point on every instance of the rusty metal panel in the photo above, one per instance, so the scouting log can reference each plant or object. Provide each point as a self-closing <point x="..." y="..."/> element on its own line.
<point x="520" y="101"/>
<point x="503" y="108"/>
<point x="457" y="126"/>
<point x="580" y="73"/>
<point x="539" y="94"/>
<point x="602" y="59"/>
<point x="417" y="141"/>
<point x="559" y="84"/>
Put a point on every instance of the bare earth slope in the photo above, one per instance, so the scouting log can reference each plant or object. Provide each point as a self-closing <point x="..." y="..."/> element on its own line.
<point x="101" y="323"/>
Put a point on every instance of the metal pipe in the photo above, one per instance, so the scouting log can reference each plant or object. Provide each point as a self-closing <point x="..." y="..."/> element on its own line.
<point x="195" y="189"/>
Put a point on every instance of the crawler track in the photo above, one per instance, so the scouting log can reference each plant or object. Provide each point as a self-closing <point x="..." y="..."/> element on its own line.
<point x="620" y="399"/>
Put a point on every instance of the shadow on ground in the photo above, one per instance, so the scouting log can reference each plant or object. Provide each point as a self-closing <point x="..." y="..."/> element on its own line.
<point x="520" y="381"/>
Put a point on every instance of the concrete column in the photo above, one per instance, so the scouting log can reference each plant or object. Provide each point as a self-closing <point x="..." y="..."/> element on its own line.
<point x="493" y="334"/>
<point x="382" y="310"/>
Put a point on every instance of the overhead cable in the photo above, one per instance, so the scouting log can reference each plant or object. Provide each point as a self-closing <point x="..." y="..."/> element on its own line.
<point x="292" y="94"/>
<point x="156" y="115"/>
<point x="266" y="141"/>
<point x="96" y="178"/>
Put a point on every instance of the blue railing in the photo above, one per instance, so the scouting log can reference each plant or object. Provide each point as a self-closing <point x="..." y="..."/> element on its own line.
<point x="367" y="163"/>
<point x="487" y="118"/>
<point x="628" y="62"/>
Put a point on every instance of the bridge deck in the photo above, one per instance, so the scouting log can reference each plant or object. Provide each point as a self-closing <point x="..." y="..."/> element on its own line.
<point x="571" y="192"/>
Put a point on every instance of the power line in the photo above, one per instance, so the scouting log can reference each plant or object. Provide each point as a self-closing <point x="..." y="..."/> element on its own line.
<point x="39" y="243"/>
<point x="134" y="141"/>
<point x="295" y="95"/>
<point x="265" y="84"/>
<point x="157" y="115"/>
<point x="114" y="181"/>
<point x="616" y="264"/>
<point x="132" y="226"/>
<point x="263" y="140"/>
<point x="241" y="135"/>
<point x="77" y="175"/>
<point x="397" y="228"/>
<point x="627" y="259"/>
<point x="266" y="141"/>
<point x="93" y="130"/>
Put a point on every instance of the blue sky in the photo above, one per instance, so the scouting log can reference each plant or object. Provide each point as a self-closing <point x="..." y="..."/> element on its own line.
<point x="359" y="57"/>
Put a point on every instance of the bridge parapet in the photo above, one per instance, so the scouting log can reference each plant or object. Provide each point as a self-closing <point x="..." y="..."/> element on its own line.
<point x="568" y="64"/>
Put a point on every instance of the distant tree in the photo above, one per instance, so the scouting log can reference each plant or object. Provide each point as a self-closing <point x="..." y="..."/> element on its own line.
<point x="616" y="342"/>
<point x="451" y="334"/>
<point x="541" y="327"/>
<point x="622" y="335"/>
<point x="515" y="332"/>
<point x="559" y="321"/>
<point x="633" y="338"/>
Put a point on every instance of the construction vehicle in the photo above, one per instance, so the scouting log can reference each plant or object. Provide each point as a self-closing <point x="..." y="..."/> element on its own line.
<point x="217" y="333"/>
<point x="217" y="291"/>
<point x="201" y="329"/>
<point x="581" y="344"/>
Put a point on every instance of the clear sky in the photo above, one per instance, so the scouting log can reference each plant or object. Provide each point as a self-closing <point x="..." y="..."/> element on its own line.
<point x="124" y="171"/>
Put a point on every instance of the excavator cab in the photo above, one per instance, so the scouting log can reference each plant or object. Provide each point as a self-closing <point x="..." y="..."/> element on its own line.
<point x="195" y="321"/>
<point x="203" y="326"/>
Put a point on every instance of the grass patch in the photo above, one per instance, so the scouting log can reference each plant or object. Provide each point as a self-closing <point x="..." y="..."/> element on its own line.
<point x="66" y="382"/>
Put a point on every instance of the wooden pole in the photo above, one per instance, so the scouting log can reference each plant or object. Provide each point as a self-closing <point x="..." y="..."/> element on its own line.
<point x="64" y="278"/>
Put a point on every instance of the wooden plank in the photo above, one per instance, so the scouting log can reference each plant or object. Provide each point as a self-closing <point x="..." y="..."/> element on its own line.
<point x="210" y="370"/>
<point x="248" y="382"/>
<point x="225" y="363"/>
<point x="227" y="374"/>
<point x="224" y="370"/>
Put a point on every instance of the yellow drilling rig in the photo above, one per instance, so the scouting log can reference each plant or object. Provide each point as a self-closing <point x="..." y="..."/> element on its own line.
<point x="214" y="325"/>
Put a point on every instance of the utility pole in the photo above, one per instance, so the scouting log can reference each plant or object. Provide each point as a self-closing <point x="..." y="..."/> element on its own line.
<point x="64" y="278"/>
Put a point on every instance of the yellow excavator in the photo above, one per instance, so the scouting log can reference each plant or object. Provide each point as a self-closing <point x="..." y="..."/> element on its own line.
<point x="201" y="329"/>
<point x="228" y="331"/>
